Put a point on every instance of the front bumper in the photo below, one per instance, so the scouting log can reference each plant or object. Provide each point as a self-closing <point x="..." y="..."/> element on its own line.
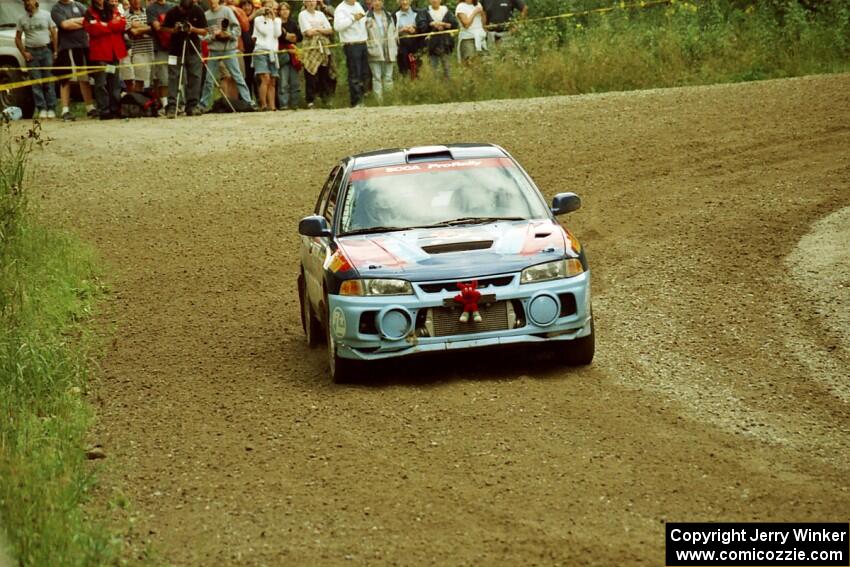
<point x="358" y="338"/>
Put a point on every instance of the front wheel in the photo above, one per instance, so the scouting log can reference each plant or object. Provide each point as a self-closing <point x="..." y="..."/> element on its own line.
<point x="311" y="326"/>
<point x="342" y="370"/>
<point x="580" y="351"/>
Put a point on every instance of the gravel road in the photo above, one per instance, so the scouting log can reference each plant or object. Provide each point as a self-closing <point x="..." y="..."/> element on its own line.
<point x="717" y="227"/>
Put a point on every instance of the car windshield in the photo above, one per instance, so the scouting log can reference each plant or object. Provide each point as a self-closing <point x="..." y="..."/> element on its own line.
<point x="438" y="193"/>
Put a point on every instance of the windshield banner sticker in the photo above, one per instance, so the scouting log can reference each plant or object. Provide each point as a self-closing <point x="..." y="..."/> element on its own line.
<point x="432" y="166"/>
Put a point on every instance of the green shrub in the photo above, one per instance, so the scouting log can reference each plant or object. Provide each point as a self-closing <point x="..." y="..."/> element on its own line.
<point x="46" y="288"/>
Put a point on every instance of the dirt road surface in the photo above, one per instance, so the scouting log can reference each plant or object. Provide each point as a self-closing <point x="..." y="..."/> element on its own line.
<point x="713" y="220"/>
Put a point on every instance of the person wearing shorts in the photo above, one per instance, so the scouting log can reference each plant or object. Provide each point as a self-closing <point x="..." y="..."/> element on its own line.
<point x="266" y="33"/>
<point x="141" y="48"/>
<point x="156" y="12"/>
<point x="72" y="54"/>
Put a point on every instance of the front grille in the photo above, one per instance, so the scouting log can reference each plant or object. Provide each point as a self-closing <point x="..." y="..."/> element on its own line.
<point x="444" y="321"/>
<point x="500" y="281"/>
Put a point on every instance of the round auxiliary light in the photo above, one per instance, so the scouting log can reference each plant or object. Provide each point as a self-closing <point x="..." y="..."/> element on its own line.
<point x="394" y="323"/>
<point x="544" y="309"/>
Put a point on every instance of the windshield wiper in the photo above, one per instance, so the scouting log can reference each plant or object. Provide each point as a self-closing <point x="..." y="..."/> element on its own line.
<point x="476" y="220"/>
<point x="374" y="229"/>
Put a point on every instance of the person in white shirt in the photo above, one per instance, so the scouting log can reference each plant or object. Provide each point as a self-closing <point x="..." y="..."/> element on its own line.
<point x="350" y="25"/>
<point x="382" y="47"/>
<point x="266" y="32"/>
<point x="315" y="56"/>
<point x="473" y="35"/>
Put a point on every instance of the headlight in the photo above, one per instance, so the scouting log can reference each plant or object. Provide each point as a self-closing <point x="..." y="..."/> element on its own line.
<point x="376" y="287"/>
<point x="551" y="271"/>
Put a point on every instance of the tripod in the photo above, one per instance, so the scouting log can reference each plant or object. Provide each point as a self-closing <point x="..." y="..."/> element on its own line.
<point x="206" y="68"/>
<point x="215" y="81"/>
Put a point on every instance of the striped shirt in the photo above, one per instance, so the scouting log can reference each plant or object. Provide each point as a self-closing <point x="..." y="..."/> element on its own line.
<point x="140" y="44"/>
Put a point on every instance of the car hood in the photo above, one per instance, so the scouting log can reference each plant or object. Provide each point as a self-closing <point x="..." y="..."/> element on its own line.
<point x="458" y="251"/>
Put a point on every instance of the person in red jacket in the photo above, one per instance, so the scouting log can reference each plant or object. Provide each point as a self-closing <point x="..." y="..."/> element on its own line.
<point x="105" y="26"/>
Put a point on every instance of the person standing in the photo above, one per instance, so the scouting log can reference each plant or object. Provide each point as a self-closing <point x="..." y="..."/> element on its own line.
<point x="156" y="12"/>
<point x="288" y="83"/>
<point x="499" y="13"/>
<point x="408" y="47"/>
<point x="141" y="46"/>
<point x="105" y="26"/>
<point x="472" y="37"/>
<point x="349" y="23"/>
<point x="36" y="32"/>
<point x="315" y="55"/>
<point x="382" y="47"/>
<point x="186" y="24"/>
<point x="223" y="31"/>
<point x="228" y="83"/>
<point x="266" y="33"/>
<point x="72" y="53"/>
<point x="439" y="20"/>
<point x="248" y="45"/>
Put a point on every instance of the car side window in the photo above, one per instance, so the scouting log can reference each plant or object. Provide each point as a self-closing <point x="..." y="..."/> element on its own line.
<point x="333" y="195"/>
<point x="323" y="196"/>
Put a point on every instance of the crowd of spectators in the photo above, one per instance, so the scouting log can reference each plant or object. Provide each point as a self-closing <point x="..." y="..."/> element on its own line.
<point x="252" y="52"/>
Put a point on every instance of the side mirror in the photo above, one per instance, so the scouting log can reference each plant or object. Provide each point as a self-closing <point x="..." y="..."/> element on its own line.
<point x="314" y="226"/>
<point x="564" y="203"/>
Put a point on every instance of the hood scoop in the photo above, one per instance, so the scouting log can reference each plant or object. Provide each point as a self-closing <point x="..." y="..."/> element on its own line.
<point x="457" y="246"/>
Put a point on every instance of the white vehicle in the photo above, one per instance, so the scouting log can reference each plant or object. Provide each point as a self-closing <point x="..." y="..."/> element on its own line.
<point x="11" y="59"/>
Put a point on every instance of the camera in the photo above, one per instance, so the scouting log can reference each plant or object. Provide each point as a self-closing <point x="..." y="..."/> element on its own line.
<point x="224" y="24"/>
<point x="181" y="27"/>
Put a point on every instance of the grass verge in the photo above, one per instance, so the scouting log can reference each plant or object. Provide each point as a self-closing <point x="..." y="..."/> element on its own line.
<point x="677" y="44"/>
<point x="47" y="285"/>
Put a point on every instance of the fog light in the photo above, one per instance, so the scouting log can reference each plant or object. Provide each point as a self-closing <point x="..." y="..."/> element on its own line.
<point x="543" y="310"/>
<point x="394" y="323"/>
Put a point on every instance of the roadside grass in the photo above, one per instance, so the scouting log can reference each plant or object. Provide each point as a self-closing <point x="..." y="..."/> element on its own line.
<point x="47" y="285"/>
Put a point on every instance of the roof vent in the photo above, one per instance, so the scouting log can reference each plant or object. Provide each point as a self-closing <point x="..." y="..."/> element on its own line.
<point x="429" y="153"/>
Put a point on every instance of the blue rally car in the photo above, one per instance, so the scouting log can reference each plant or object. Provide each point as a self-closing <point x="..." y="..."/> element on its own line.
<point x="438" y="248"/>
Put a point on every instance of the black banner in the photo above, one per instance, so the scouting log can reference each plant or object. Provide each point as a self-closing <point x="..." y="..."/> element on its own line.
<point x="757" y="544"/>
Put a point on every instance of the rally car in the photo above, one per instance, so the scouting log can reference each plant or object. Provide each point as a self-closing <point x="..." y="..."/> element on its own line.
<point x="439" y="248"/>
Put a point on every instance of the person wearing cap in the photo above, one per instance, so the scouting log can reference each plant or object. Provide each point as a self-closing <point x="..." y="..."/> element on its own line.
<point x="350" y="24"/>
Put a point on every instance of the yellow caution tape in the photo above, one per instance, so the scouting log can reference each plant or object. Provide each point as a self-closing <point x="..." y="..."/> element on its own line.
<point x="40" y="81"/>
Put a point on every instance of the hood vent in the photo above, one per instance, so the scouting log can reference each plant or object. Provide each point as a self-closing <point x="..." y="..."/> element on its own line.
<point x="458" y="247"/>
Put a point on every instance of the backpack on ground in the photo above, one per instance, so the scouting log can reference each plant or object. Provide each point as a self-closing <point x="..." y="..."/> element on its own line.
<point x="239" y="105"/>
<point x="137" y="105"/>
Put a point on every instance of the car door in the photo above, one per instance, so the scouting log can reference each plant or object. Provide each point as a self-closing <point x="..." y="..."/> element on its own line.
<point x="317" y="249"/>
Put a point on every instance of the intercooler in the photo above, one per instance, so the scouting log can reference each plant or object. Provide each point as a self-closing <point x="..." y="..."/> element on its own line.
<point x="444" y="321"/>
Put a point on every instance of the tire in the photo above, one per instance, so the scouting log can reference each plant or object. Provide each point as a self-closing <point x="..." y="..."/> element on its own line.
<point x="312" y="327"/>
<point x="342" y="370"/>
<point x="580" y="351"/>
<point x="22" y="97"/>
